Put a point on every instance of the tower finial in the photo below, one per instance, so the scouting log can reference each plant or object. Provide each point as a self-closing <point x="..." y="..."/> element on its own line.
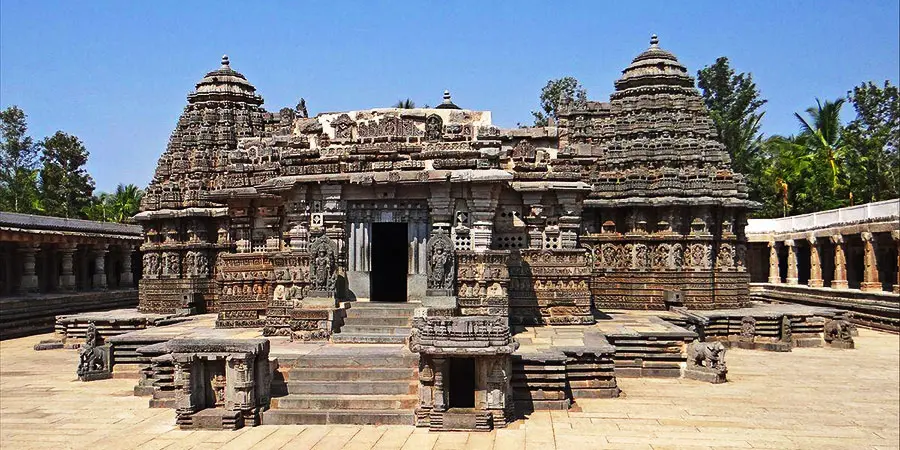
<point x="447" y="96"/>
<point x="225" y="62"/>
<point x="654" y="41"/>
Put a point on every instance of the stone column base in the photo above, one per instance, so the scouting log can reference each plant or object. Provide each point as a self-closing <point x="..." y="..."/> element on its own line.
<point x="100" y="281"/>
<point x="816" y="283"/>
<point x="793" y="281"/>
<point x="840" y="284"/>
<point x="67" y="282"/>
<point x="127" y="279"/>
<point x="870" y="287"/>
<point x="29" y="284"/>
<point x="774" y="280"/>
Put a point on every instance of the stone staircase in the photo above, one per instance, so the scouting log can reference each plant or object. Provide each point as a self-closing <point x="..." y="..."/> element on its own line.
<point x="373" y="385"/>
<point x="376" y="323"/>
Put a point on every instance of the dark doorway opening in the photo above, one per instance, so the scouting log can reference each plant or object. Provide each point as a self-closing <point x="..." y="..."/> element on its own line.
<point x="462" y="383"/>
<point x="390" y="259"/>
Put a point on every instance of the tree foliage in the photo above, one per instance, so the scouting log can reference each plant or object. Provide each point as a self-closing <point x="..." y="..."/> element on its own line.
<point x="405" y="104"/>
<point x="118" y="206"/>
<point x="66" y="187"/>
<point x="18" y="163"/>
<point x="555" y="95"/>
<point x="874" y="166"/>
<point x="734" y="104"/>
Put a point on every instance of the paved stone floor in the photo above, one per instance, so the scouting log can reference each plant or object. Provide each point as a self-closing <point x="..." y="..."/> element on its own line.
<point x="810" y="398"/>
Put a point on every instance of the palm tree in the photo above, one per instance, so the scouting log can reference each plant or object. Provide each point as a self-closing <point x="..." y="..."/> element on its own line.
<point x="125" y="202"/>
<point x="99" y="209"/>
<point x="405" y="104"/>
<point x="822" y="135"/>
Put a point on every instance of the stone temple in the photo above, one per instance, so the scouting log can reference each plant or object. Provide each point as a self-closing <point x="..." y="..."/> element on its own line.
<point x="492" y="271"/>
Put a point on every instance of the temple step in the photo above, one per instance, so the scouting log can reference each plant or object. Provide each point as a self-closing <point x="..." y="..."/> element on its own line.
<point x="376" y="329"/>
<point x="345" y="402"/>
<point x="336" y="417"/>
<point x="376" y="323"/>
<point x="349" y="374"/>
<point x="350" y="338"/>
<point x="352" y="387"/>
<point x="362" y="359"/>
<point x="392" y="321"/>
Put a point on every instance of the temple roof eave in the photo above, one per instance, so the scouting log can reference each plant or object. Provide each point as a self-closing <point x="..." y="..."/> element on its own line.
<point x="177" y="213"/>
<point x="285" y="183"/>
<point x="533" y="186"/>
<point x="729" y="202"/>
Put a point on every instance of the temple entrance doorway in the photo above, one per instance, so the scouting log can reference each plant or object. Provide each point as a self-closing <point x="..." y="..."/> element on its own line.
<point x="390" y="260"/>
<point x="461" y="383"/>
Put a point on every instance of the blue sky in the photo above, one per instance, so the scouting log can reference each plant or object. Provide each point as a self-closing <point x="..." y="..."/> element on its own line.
<point x="116" y="73"/>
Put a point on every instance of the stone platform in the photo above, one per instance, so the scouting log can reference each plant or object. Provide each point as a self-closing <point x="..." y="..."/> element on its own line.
<point x="873" y="309"/>
<point x="774" y="400"/>
<point x="30" y="314"/>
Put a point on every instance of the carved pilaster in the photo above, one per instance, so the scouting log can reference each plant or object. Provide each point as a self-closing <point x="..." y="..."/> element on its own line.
<point x="774" y="271"/>
<point x="534" y="219"/>
<point x="570" y="218"/>
<point x="484" y="205"/>
<point x="870" y="281"/>
<point x="792" y="277"/>
<point x="815" y="264"/>
<point x="440" y="394"/>
<point x="840" y="263"/>
<point x="29" y="281"/>
<point x="67" y="274"/>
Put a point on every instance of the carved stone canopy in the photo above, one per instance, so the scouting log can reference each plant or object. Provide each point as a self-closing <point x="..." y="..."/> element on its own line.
<point x="471" y="335"/>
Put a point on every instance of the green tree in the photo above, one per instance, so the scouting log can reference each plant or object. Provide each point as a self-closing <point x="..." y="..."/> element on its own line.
<point x="99" y="209"/>
<point x="805" y="173"/>
<point x="734" y="104"/>
<point x="822" y="136"/>
<point x="405" y="104"/>
<point x="555" y="95"/>
<point x="18" y="162"/>
<point x="125" y="202"/>
<point x="873" y="138"/>
<point x="66" y="187"/>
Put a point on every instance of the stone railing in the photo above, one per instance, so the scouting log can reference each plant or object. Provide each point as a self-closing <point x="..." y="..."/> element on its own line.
<point x="884" y="210"/>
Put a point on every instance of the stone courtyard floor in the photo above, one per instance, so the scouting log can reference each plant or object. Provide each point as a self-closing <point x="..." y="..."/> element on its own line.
<point x="809" y="398"/>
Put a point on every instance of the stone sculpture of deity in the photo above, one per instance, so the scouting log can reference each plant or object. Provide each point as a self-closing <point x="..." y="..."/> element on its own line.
<point x="323" y="267"/>
<point x="441" y="261"/>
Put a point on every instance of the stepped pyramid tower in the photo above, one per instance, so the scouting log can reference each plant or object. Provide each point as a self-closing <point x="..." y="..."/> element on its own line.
<point x="665" y="210"/>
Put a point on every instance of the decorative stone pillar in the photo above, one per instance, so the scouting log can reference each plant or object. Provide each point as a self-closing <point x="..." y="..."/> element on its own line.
<point x="440" y="393"/>
<point x="29" y="283"/>
<point x="840" y="263"/>
<point x="774" y="271"/>
<point x="896" y="236"/>
<point x="67" y="276"/>
<point x="570" y="219"/>
<point x="127" y="277"/>
<point x="815" y="264"/>
<point x="484" y="205"/>
<point x="870" y="281"/>
<point x="792" y="277"/>
<point x="534" y="219"/>
<point x="100" y="252"/>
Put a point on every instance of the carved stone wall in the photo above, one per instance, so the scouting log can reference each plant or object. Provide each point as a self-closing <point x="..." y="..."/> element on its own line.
<point x="247" y="283"/>
<point x="550" y="287"/>
<point x="483" y="282"/>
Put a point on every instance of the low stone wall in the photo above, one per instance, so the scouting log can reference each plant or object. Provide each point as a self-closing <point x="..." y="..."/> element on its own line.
<point x="879" y="310"/>
<point x="27" y="315"/>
